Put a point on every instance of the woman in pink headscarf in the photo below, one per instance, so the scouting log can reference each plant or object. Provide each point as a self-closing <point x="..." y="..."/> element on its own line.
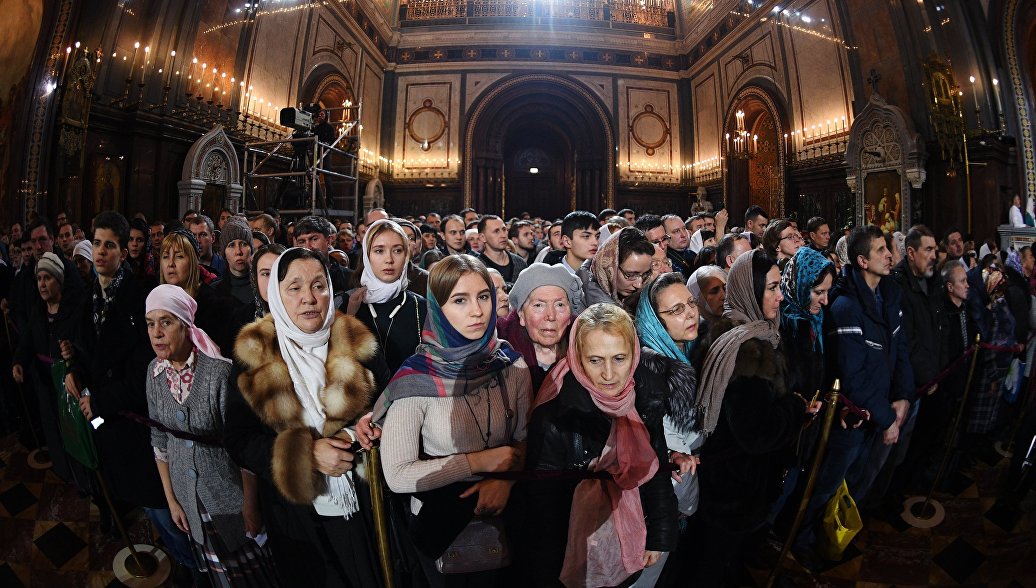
<point x="598" y="419"/>
<point x="209" y="497"/>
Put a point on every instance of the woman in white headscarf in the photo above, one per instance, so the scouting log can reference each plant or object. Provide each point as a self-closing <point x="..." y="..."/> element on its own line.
<point x="382" y="302"/>
<point x="304" y="377"/>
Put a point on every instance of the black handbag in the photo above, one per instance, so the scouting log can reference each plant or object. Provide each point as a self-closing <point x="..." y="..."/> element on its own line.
<point x="482" y="544"/>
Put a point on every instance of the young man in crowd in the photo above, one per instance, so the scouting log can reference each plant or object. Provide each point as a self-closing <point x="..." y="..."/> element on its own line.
<point x="695" y="223"/>
<point x="579" y="236"/>
<point x="494" y="252"/>
<point x="157" y="234"/>
<point x="756" y="220"/>
<point x="470" y="215"/>
<point x="819" y="233"/>
<point x="224" y="214"/>
<point x="522" y="234"/>
<point x="955" y="247"/>
<point x="453" y="238"/>
<point x="66" y="239"/>
<point x="869" y="354"/>
<point x="109" y="372"/>
<point x="202" y="229"/>
<point x="629" y="215"/>
<point x="554" y="252"/>
<point x="921" y="290"/>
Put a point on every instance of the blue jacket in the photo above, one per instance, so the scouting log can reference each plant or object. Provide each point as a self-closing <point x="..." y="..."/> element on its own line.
<point x="870" y="346"/>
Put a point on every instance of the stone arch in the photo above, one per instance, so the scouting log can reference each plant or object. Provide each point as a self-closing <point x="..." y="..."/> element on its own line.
<point x="328" y="87"/>
<point x="212" y="160"/>
<point x="761" y="105"/>
<point x="559" y="104"/>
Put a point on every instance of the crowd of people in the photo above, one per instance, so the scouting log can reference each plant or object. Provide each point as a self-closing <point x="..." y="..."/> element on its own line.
<point x="606" y="399"/>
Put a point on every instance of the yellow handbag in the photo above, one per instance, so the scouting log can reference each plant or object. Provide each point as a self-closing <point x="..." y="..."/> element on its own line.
<point x="841" y="524"/>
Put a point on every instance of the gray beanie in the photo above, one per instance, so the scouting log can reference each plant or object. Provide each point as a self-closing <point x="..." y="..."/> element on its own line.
<point x="51" y="264"/>
<point x="541" y="274"/>
<point x="234" y="229"/>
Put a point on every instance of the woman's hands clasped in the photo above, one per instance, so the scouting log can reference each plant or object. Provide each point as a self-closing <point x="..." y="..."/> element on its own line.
<point x="332" y="455"/>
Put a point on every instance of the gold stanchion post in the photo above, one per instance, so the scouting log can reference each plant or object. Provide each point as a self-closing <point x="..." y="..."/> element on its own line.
<point x="818" y="459"/>
<point x="381" y="533"/>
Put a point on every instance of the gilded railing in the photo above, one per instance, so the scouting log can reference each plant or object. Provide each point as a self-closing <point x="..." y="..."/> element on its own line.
<point x="642" y="12"/>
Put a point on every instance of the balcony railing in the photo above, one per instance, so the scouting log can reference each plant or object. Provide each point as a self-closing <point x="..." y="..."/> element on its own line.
<point x="654" y="13"/>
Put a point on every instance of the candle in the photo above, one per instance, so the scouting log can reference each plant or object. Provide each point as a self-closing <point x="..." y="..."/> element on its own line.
<point x="974" y="94"/>
<point x="169" y="63"/>
<point x="133" y="64"/>
<point x="215" y="72"/>
<point x="260" y="109"/>
<point x="996" y="91"/>
<point x="64" y="64"/>
<point x="147" y="60"/>
<point x="190" y="74"/>
<point x="270" y="106"/>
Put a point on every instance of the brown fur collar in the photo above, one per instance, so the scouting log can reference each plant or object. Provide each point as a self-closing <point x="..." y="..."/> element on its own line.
<point x="755" y="358"/>
<point x="267" y="386"/>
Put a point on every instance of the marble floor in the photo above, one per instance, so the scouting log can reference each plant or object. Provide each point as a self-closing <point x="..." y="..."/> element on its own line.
<point x="50" y="536"/>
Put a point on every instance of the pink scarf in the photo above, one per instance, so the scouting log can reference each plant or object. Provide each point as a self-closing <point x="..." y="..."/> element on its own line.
<point x="179" y="303"/>
<point x="606" y="530"/>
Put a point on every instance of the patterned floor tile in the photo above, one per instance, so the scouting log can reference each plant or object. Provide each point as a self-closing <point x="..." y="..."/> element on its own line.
<point x="60" y="544"/>
<point x="16" y="540"/>
<point x="8" y="578"/>
<point x="62" y="502"/>
<point x="896" y="558"/>
<point x="17" y="499"/>
<point x="959" y="560"/>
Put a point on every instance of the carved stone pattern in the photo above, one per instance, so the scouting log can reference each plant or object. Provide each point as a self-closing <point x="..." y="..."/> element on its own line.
<point x="214" y="169"/>
<point x="881" y="138"/>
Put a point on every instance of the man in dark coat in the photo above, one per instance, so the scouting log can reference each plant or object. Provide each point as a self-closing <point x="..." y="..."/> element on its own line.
<point x="921" y="300"/>
<point x="869" y="350"/>
<point x="109" y="366"/>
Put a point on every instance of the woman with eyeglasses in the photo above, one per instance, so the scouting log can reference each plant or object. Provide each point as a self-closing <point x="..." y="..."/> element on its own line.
<point x="620" y="268"/>
<point x="667" y="322"/>
<point x="781" y="240"/>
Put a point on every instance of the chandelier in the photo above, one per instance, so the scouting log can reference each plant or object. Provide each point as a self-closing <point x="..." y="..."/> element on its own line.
<point x="743" y="145"/>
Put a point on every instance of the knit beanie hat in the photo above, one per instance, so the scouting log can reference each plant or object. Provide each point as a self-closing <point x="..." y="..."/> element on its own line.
<point x="84" y="249"/>
<point x="51" y="264"/>
<point x="541" y="274"/>
<point x="235" y="228"/>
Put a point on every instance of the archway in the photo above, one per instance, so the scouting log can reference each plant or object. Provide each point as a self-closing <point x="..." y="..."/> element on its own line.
<point x="330" y="89"/>
<point x="538" y="143"/>
<point x="211" y="176"/>
<point x="760" y="178"/>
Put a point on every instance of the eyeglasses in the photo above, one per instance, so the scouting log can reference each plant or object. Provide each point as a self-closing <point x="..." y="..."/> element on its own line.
<point x="794" y="237"/>
<point x="665" y="239"/>
<point x="689" y="309"/>
<point x="632" y="276"/>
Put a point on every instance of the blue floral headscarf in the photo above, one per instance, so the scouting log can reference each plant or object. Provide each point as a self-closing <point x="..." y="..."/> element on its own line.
<point x="797" y="282"/>
<point x="653" y="334"/>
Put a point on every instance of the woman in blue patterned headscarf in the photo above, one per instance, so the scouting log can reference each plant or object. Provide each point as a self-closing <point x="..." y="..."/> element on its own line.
<point x="807" y="278"/>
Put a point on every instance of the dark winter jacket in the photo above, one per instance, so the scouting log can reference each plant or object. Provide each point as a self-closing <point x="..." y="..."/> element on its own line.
<point x="921" y="321"/>
<point x="113" y="365"/>
<point x="744" y="459"/>
<point x="566" y="434"/>
<point x="869" y="346"/>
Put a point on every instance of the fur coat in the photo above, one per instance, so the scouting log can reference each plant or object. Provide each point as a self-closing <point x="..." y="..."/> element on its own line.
<point x="266" y="385"/>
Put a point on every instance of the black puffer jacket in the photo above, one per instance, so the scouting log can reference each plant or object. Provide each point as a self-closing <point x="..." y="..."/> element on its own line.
<point x="921" y="318"/>
<point x="566" y="434"/>
<point x="743" y="461"/>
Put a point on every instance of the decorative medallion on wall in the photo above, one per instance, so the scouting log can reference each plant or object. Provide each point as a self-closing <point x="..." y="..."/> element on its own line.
<point x="649" y="130"/>
<point x="426" y="125"/>
<point x="214" y="169"/>
<point x="533" y="158"/>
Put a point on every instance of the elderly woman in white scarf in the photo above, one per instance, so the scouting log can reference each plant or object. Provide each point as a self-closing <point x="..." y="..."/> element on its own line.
<point x="304" y="377"/>
<point x="383" y="303"/>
